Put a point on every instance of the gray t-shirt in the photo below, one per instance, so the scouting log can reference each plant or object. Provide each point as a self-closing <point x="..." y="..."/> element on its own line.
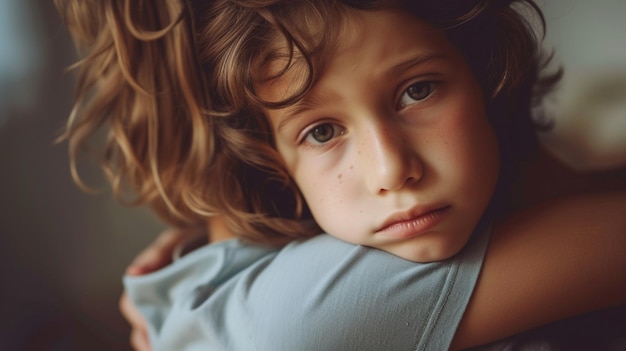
<point x="318" y="294"/>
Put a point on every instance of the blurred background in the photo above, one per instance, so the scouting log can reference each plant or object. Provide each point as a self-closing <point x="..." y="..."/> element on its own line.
<point x="589" y="105"/>
<point x="63" y="252"/>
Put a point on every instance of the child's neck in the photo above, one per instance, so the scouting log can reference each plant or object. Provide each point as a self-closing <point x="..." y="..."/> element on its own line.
<point x="218" y="231"/>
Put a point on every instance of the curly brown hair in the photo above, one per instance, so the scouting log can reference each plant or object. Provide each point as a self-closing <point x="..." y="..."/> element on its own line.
<point x="172" y="82"/>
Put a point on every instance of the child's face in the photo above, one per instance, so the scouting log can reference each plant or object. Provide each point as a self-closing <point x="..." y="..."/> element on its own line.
<point x="392" y="148"/>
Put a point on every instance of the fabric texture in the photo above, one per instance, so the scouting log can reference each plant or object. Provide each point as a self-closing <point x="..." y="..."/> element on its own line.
<point x="318" y="294"/>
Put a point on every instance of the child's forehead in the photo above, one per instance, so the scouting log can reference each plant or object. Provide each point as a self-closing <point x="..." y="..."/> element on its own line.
<point x="286" y="69"/>
<point x="302" y="45"/>
<point x="289" y="60"/>
<point x="307" y="35"/>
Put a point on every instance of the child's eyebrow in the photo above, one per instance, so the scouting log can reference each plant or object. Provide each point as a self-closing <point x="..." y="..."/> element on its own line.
<point x="421" y="59"/>
<point x="313" y="101"/>
<point x="308" y="103"/>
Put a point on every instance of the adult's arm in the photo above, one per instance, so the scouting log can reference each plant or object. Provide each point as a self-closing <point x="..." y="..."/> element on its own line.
<point x="549" y="262"/>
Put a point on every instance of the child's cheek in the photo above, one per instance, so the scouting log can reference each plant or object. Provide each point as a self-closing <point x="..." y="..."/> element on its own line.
<point x="328" y="185"/>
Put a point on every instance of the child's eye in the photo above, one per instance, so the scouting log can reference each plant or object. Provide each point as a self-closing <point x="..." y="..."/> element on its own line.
<point x="416" y="93"/>
<point x="323" y="133"/>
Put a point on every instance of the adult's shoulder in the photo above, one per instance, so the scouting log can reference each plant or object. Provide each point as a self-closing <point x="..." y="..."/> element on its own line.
<point x="560" y="258"/>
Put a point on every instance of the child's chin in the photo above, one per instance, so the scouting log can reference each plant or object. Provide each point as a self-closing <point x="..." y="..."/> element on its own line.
<point x="427" y="255"/>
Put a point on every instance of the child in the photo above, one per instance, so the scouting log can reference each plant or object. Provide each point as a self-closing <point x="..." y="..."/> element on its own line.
<point x="180" y="110"/>
<point x="393" y="125"/>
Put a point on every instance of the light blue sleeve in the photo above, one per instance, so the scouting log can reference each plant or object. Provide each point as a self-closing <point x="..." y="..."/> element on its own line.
<point x="319" y="294"/>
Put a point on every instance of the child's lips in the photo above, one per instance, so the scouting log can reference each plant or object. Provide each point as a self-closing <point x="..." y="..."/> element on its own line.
<point x="412" y="223"/>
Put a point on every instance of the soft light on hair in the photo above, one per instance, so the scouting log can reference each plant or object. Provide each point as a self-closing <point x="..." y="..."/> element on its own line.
<point x="173" y="85"/>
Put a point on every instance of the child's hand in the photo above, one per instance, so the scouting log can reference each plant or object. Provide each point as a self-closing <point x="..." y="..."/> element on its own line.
<point x="159" y="253"/>
<point x="139" y="340"/>
<point x="154" y="257"/>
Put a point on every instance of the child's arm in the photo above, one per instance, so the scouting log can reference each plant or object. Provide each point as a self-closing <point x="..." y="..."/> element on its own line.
<point x="155" y="256"/>
<point x="549" y="262"/>
<point x="158" y="253"/>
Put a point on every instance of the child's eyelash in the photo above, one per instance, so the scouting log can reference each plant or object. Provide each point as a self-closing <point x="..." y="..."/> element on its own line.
<point x="321" y="134"/>
<point x="417" y="92"/>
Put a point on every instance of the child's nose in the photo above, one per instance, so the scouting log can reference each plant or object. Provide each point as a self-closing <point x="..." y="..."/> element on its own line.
<point x="392" y="163"/>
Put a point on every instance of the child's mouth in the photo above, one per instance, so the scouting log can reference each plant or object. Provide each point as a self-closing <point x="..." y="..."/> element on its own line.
<point x="412" y="223"/>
